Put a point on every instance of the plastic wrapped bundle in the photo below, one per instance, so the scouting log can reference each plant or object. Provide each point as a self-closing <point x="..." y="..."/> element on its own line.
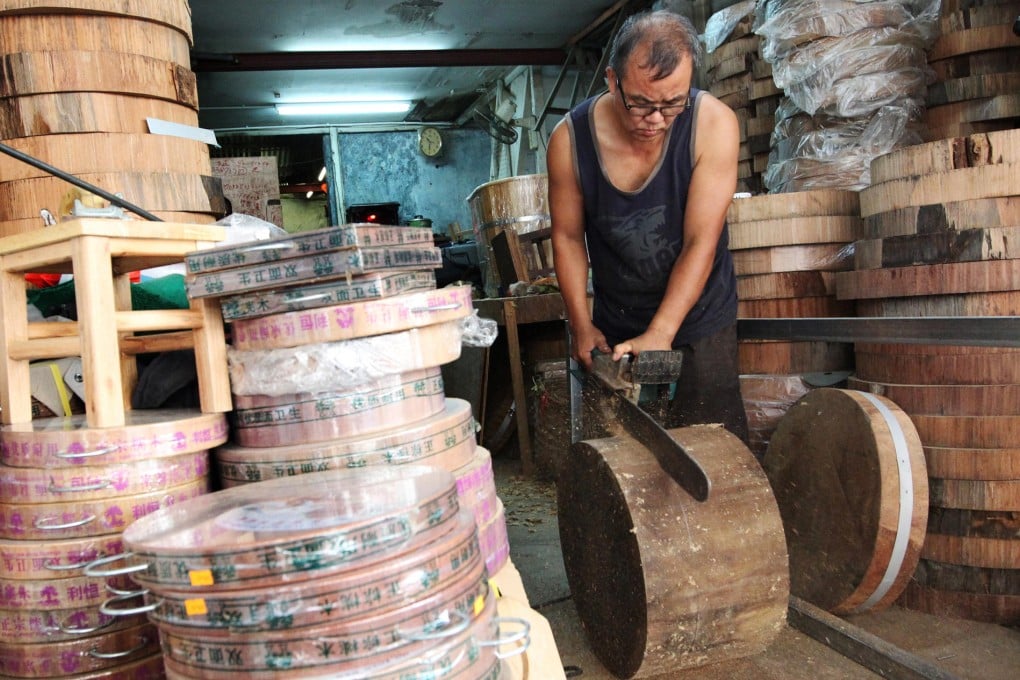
<point x="856" y="78"/>
<point x="811" y="152"/>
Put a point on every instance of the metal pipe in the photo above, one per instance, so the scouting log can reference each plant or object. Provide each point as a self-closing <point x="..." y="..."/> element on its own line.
<point x="57" y="172"/>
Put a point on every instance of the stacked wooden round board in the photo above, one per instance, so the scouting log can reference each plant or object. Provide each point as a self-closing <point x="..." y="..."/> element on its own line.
<point x="848" y="474"/>
<point x="977" y="79"/>
<point x="940" y="223"/>
<point x="786" y="248"/>
<point x="739" y="76"/>
<point x="81" y="81"/>
<point x="370" y="573"/>
<point x="67" y="493"/>
<point x="338" y="337"/>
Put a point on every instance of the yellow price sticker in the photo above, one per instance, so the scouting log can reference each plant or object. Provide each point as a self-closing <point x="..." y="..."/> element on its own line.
<point x="195" y="607"/>
<point x="201" y="578"/>
<point x="479" y="604"/>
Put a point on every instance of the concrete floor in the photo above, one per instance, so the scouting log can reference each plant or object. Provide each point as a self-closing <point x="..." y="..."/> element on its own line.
<point x="965" y="649"/>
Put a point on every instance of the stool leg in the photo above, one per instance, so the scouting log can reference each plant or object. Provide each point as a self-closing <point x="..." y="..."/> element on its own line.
<point x="128" y="362"/>
<point x="97" y="323"/>
<point x="211" y="358"/>
<point x="15" y="377"/>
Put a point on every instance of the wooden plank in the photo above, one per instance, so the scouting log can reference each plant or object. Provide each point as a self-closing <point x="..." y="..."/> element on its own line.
<point x="794" y="231"/>
<point x="972" y="40"/>
<point x="976" y="16"/>
<point x="973" y="463"/>
<point x="796" y="204"/>
<point x="74" y="70"/>
<point x="946" y="400"/>
<point x="944" y="155"/>
<point x="825" y="257"/>
<point x="989" y="181"/>
<point x="958" y="369"/>
<point x="94" y="33"/>
<point x="173" y="13"/>
<point x="78" y="112"/>
<point x="971" y="245"/>
<point x="1000" y="107"/>
<point x="973" y="87"/>
<point x="979" y="64"/>
<point x="975" y="494"/>
<point x="871" y="651"/>
<point x="802" y="307"/>
<point x="785" y="285"/>
<point x="931" y="279"/>
<point x="33" y="224"/>
<point x="152" y="190"/>
<point x="988" y="553"/>
<point x="982" y="213"/>
<point x="107" y="152"/>
<point x="779" y="357"/>
<point x="995" y="432"/>
<point x="1002" y="609"/>
<point x="962" y="129"/>
<point x="974" y="304"/>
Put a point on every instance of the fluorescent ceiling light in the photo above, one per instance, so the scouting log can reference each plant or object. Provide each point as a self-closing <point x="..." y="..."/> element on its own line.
<point x="322" y="174"/>
<point x="326" y="108"/>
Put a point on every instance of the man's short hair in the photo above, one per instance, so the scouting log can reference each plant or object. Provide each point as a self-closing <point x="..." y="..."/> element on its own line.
<point x="669" y="36"/>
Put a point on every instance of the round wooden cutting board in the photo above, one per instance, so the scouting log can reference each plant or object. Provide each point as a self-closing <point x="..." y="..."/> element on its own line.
<point x="848" y="473"/>
<point x="662" y="581"/>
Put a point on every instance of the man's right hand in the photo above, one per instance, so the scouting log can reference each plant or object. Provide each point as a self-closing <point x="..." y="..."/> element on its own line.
<point x="583" y="341"/>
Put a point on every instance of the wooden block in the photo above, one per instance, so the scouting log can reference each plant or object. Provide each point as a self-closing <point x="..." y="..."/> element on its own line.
<point x="971" y="245"/>
<point x="797" y="204"/>
<point x="794" y="231"/>
<point x="949" y="216"/>
<point x="174" y="13"/>
<point x="990" y="181"/>
<point x="933" y="279"/>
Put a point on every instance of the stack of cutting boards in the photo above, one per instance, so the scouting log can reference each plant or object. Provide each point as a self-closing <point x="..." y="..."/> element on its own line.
<point x="737" y="74"/>
<point x="786" y="250"/>
<point x="80" y="80"/>
<point x="975" y="61"/>
<point x="942" y="220"/>
<point x="338" y="336"/>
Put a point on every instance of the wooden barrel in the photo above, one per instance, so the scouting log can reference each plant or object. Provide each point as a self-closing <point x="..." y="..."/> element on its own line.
<point x="81" y="78"/>
<point x="848" y="472"/>
<point x="661" y="581"/>
<point x="519" y="203"/>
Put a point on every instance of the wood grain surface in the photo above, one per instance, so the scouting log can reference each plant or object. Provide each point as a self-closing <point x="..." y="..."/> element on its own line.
<point x="80" y="112"/>
<point x="785" y="285"/>
<point x="832" y="463"/>
<point x="991" y="276"/>
<point x="947" y="400"/>
<point x="797" y="204"/>
<point x="652" y="595"/>
<point x="825" y="257"/>
<point x="174" y="13"/>
<point x="981" y="213"/>
<point x="988" y="181"/>
<point x="794" y="231"/>
<point x="967" y="304"/>
<point x="947" y="154"/>
<point x="933" y="369"/>
<point x="784" y="358"/>
<point x="973" y="463"/>
<point x="94" y="33"/>
<point x="969" y="245"/>
<point x="801" y="307"/>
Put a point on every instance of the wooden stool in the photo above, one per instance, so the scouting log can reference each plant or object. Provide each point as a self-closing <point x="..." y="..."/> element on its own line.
<point x="101" y="254"/>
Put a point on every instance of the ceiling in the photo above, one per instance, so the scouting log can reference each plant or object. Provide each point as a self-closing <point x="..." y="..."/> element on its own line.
<point x="438" y="55"/>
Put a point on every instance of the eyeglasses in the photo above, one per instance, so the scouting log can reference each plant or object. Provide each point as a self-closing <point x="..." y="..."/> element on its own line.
<point x="645" y="110"/>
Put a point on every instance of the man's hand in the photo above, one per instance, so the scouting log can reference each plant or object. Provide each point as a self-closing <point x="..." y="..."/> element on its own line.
<point x="649" y="340"/>
<point x="585" y="340"/>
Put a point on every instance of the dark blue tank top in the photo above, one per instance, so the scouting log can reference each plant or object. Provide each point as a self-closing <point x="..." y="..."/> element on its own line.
<point x="635" y="237"/>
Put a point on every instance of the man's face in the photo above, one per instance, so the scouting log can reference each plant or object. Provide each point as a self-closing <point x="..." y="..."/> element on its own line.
<point x="648" y="107"/>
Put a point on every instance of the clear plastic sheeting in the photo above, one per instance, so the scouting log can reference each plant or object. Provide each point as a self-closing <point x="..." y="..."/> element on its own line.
<point x="721" y="24"/>
<point x="332" y="366"/>
<point x="786" y="25"/>
<point x="855" y="78"/>
<point x="811" y="152"/>
<point x="478" y="332"/>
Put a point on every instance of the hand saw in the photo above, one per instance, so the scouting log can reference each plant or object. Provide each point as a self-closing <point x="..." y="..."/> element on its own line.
<point x="609" y="394"/>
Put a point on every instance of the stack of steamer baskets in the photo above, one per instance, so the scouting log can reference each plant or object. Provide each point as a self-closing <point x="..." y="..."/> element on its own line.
<point x="368" y="574"/>
<point x="786" y="248"/>
<point x="942" y="222"/>
<point x="81" y="80"/>
<point x="67" y="492"/>
<point x="338" y="336"/>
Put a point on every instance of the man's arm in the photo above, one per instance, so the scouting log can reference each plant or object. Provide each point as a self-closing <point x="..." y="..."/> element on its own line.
<point x="713" y="182"/>
<point x="570" y="254"/>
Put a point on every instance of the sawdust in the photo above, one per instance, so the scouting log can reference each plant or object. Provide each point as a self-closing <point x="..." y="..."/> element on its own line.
<point x="527" y="502"/>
